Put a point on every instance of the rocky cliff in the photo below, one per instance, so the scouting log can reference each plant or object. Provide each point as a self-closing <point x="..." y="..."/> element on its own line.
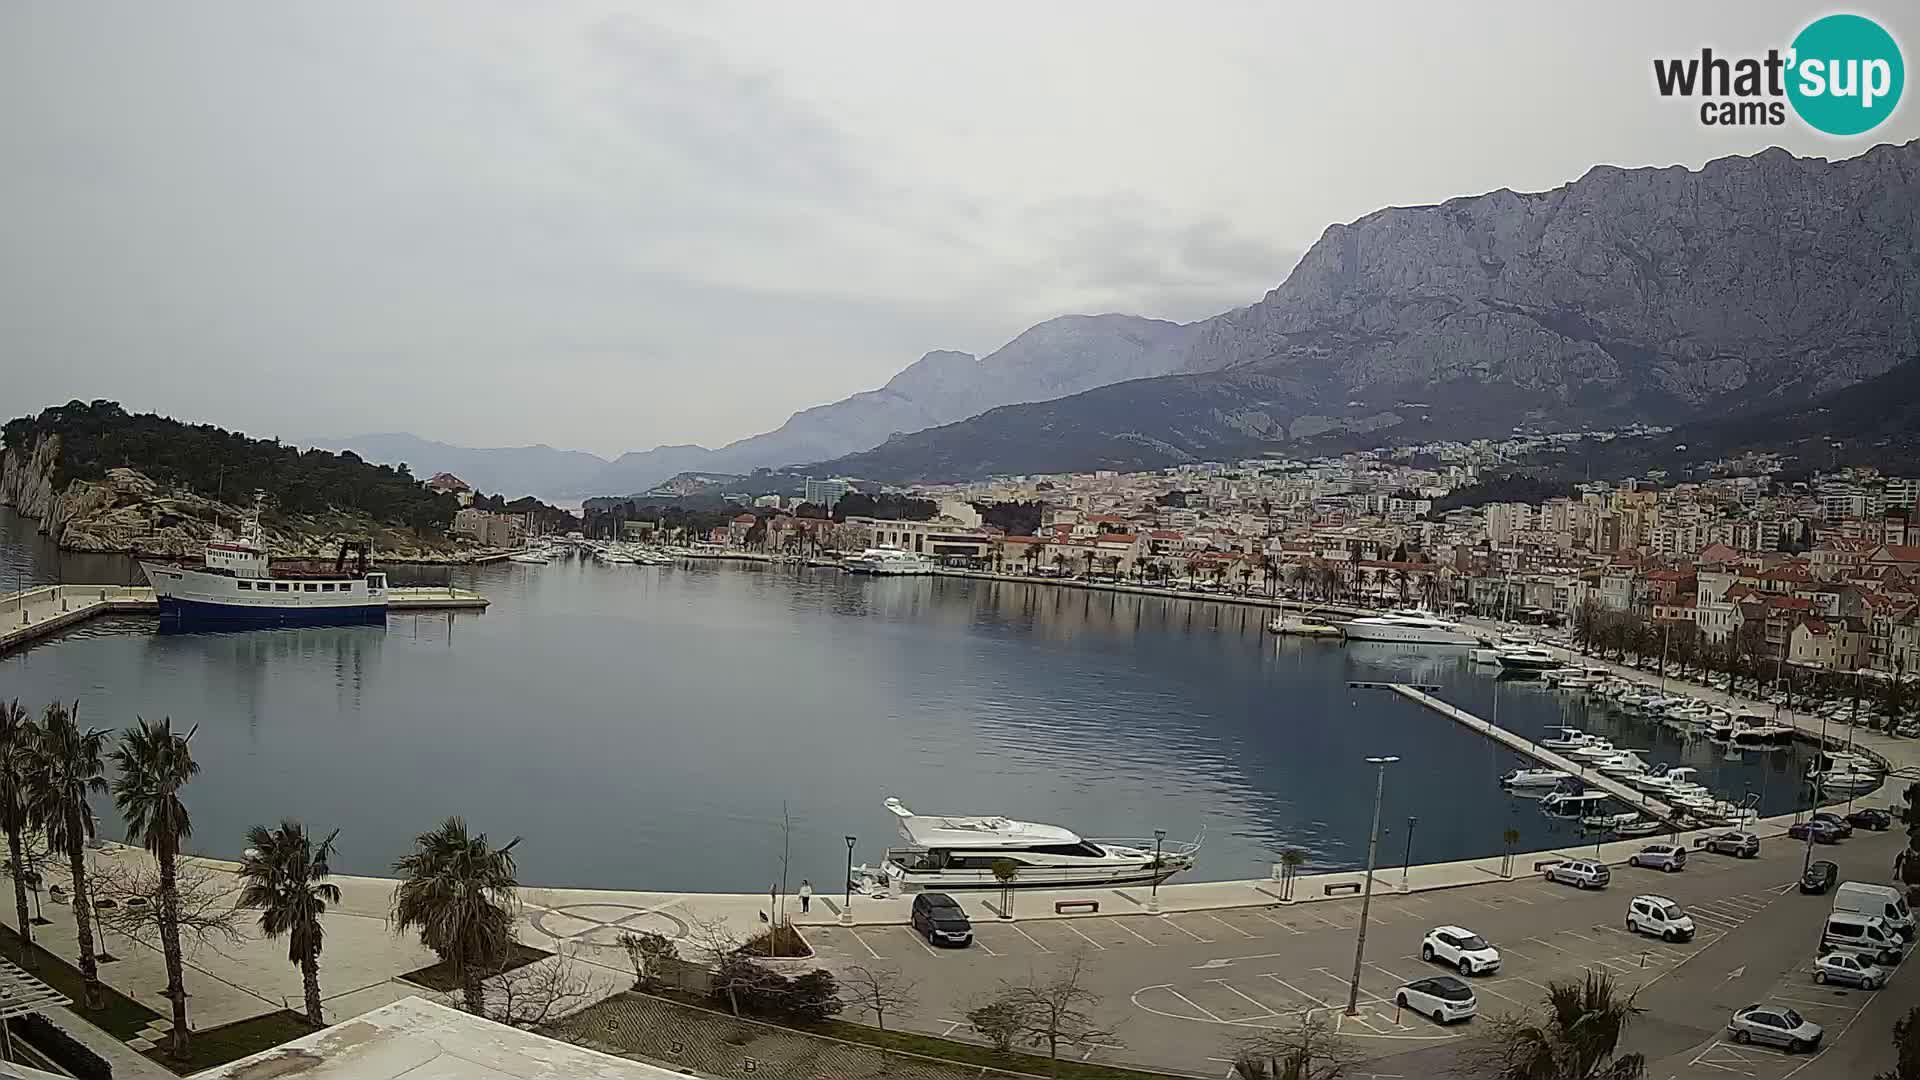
<point x="128" y="512"/>
<point x="1629" y="294"/>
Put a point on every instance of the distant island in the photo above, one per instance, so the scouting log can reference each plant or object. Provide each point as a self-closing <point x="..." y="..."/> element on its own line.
<point x="99" y="478"/>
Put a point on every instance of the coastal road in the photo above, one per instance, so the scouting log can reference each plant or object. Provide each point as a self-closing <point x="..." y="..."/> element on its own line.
<point x="1179" y="989"/>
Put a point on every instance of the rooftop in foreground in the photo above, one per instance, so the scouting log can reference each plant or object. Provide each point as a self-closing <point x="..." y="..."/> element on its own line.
<point x="420" y="1040"/>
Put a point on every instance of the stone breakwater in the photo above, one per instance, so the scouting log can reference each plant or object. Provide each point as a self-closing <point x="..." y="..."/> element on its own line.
<point x="128" y="512"/>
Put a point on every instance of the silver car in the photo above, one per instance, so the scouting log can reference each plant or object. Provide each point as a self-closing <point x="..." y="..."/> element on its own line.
<point x="1775" y="1025"/>
<point x="1839" y="967"/>
<point x="1584" y="873"/>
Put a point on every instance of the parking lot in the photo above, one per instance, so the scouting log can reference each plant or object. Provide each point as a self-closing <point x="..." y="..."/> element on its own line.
<point x="1179" y="988"/>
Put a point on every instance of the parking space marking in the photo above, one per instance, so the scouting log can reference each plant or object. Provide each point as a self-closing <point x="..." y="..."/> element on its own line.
<point x="1489" y="988"/>
<point x="1227" y="924"/>
<point x="1122" y="924"/>
<point x="1329" y="922"/>
<point x="1203" y="1010"/>
<point x="1284" y="926"/>
<point x="1581" y="936"/>
<point x="1548" y="944"/>
<point x="864" y="944"/>
<point x="1189" y="933"/>
<point x="1516" y="952"/>
<point x="1255" y="1002"/>
<point x="1068" y="923"/>
<point x="980" y="941"/>
<point x="918" y="940"/>
<point x="1024" y="934"/>
<point x="1317" y="1001"/>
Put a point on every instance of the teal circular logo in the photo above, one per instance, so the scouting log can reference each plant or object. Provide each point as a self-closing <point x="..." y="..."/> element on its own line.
<point x="1847" y="74"/>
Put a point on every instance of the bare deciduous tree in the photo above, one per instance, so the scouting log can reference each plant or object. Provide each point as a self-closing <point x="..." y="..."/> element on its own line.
<point x="538" y="993"/>
<point x="878" y="991"/>
<point x="1056" y="1010"/>
<point x="1304" y="1049"/>
<point x="204" y="900"/>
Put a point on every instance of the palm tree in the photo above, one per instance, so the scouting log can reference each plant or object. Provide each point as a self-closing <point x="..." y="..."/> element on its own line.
<point x="65" y="768"/>
<point x="458" y="891"/>
<point x="154" y="764"/>
<point x="1291" y="860"/>
<point x="1575" y="1040"/>
<point x="285" y="876"/>
<point x="16" y="743"/>
<point x="1400" y="580"/>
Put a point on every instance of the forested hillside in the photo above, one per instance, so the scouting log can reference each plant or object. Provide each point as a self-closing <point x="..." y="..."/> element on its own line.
<point x="225" y="465"/>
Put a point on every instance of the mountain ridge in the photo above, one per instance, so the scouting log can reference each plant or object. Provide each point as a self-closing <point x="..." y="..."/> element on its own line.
<point x="1656" y="294"/>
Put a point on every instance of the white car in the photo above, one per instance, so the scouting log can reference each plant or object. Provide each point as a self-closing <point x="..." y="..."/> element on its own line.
<point x="1442" y="997"/>
<point x="1460" y="948"/>
<point x="1839" y="967"/>
<point x="1660" y="917"/>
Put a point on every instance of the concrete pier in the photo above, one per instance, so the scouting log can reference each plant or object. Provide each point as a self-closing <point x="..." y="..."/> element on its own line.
<point x="1521" y="744"/>
<point x="32" y="614"/>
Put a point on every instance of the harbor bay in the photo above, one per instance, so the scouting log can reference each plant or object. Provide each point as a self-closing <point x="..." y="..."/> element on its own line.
<point x="646" y="727"/>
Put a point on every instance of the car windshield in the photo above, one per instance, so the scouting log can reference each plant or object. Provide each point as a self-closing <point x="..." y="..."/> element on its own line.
<point x="1671" y="912"/>
<point x="1792" y="1018"/>
<point x="1474" y="941"/>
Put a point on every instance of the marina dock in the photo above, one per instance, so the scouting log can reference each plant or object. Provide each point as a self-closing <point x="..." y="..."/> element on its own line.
<point x="1520" y="744"/>
<point x="35" y="613"/>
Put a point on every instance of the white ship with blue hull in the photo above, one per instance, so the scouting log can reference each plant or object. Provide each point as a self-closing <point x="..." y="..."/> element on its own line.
<point x="236" y="587"/>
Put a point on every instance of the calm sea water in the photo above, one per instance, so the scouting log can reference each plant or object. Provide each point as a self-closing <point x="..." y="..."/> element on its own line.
<point x="644" y="727"/>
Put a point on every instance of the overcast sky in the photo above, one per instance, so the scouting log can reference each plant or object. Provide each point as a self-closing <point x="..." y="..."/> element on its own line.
<point x="609" y="227"/>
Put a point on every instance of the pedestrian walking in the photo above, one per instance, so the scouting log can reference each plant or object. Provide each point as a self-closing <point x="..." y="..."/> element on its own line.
<point x="806" y="895"/>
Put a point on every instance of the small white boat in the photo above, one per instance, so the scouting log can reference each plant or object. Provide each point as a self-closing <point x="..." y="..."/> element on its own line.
<point x="531" y="558"/>
<point x="1595" y="751"/>
<point x="1570" y="738"/>
<point x="1640" y="826"/>
<point x="1301" y="626"/>
<point x="1625" y="763"/>
<point x="1845" y="782"/>
<point x="1535" y="778"/>
<point x="1566" y="804"/>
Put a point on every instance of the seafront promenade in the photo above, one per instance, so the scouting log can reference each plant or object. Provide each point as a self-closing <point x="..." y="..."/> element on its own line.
<point x="32" y="614"/>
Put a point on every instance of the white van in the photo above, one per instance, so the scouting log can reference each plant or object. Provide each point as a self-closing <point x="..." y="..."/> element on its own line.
<point x="1884" y="901"/>
<point x="1861" y="935"/>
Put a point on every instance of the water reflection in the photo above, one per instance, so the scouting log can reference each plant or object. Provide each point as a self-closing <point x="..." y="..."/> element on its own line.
<point x="641" y="726"/>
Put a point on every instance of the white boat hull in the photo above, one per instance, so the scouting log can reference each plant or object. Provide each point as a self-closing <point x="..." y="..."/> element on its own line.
<point x="1406" y="635"/>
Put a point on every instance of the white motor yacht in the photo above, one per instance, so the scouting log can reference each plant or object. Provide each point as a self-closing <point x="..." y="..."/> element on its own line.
<point x="889" y="562"/>
<point x="1535" y="778"/>
<point x="951" y="851"/>
<point x="1625" y="763"/>
<point x="1409" y="627"/>
<point x="1527" y="658"/>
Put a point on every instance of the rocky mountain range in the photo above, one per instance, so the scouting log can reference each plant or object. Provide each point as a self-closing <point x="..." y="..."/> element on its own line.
<point x="1058" y="357"/>
<point x="1629" y="294"/>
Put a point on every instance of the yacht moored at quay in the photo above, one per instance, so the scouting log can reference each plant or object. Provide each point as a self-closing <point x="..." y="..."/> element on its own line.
<point x="889" y="561"/>
<point x="237" y="585"/>
<point x="952" y="851"/>
<point x="1409" y="627"/>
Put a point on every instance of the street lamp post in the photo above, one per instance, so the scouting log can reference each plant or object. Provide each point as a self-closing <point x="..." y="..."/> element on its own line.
<point x="846" y="911"/>
<point x="1407" y="859"/>
<point x="1366" y="892"/>
<point x="1153" y="893"/>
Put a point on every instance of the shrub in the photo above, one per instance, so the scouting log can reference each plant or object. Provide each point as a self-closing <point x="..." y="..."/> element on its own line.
<point x="998" y="1022"/>
<point x="815" y="997"/>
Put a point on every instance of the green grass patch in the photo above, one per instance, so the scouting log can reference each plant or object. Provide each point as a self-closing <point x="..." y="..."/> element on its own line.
<point x="119" y="1016"/>
<point x="910" y="1042"/>
<point x="217" y="1046"/>
<point x="441" y="976"/>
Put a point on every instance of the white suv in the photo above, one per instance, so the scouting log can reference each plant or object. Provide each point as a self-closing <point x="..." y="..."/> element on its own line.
<point x="1460" y="948"/>
<point x="1660" y="917"/>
